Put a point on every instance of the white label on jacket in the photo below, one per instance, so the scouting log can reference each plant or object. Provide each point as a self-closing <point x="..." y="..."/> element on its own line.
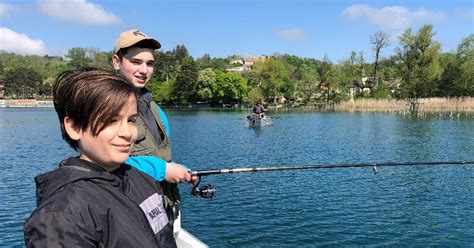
<point x="155" y="212"/>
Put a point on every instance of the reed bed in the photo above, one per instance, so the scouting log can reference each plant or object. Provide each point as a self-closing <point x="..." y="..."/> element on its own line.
<point x="423" y="105"/>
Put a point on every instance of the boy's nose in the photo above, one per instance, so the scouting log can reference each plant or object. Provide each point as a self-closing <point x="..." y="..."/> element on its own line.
<point x="143" y="68"/>
<point x="125" y="130"/>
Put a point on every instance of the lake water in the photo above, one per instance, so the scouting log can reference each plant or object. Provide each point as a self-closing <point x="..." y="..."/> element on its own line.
<point x="399" y="206"/>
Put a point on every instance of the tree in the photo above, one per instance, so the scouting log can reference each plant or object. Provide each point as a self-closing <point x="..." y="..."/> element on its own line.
<point x="420" y="66"/>
<point x="379" y="92"/>
<point x="230" y="87"/>
<point x="307" y="86"/>
<point x="254" y="95"/>
<point x="79" y="58"/>
<point x="464" y="83"/>
<point x="204" y="62"/>
<point x="165" y="66"/>
<point x="326" y="74"/>
<point x="101" y="59"/>
<point x="270" y="76"/>
<point x="23" y="82"/>
<point x="162" y="91"/>
<point x="184" y="87"/>
<point x="180" y="53"/>
<point x="219" y="64"/>
<point x="351" y="70"/>
<point x="206" y="83"/>
<point x="379" y="41"/>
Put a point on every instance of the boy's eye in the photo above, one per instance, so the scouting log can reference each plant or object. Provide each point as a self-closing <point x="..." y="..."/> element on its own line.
<point x="136" y="62"/>
<point x="132" y="120"/>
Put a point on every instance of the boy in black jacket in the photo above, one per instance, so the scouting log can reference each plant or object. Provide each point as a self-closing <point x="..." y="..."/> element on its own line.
<point x="95" y="200"/>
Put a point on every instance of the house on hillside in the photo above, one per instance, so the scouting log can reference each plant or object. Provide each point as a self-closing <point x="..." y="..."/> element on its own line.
<point x="364" y="85"/>
<point x="243" y="64"/>
<point x="236" y="62"/>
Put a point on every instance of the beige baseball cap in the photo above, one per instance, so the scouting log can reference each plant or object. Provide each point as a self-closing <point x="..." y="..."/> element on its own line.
<point x="132" y="37"/>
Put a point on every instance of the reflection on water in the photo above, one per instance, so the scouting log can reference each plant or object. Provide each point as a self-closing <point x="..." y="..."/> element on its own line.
<point x="409" y="206"/>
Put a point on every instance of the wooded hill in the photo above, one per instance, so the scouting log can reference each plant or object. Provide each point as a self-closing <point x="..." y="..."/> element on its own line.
<point x="417" y="69"/>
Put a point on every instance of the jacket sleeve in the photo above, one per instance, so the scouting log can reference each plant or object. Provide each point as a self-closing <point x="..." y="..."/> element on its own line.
<point x="153" y="166"/>
<point x="55" y="229"/>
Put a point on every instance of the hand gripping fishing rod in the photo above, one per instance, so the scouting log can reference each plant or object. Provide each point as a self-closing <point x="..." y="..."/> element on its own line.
<point x="208" y="191"/>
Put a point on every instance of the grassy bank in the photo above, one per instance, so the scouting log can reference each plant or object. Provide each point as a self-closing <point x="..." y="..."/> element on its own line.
<point x="424" y="105"/>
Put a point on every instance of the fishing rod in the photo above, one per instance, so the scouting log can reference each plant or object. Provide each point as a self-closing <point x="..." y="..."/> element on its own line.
<point x="208" y="191"/>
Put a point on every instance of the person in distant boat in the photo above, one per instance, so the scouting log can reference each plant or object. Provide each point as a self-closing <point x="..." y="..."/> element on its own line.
<point x="259" y="110"/>
<point x="96" y="199"/>
<point x="134" y="59"/>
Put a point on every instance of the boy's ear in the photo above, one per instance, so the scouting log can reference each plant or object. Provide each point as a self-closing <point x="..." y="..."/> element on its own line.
<point x="116" y="62"/>
<point x="73" y="132"/>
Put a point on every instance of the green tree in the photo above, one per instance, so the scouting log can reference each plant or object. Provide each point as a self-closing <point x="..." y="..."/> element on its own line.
<point x="420" y="65"/>
<point x="180" y="53"/>
<point x="162" y="91"/>
<point x="184" y="88"/>
<point x="101" y="59"/>
<point x="464" y="82"/>
<point x="204" y="62"/>
<point x="165" y="66"/>
<point x="307" y="86"/>
<point x="78" y="58"/>
<point x="219" y="64"/>
<point x="271" y="77"/>
<point x="206" y="82"/>
<point x="381" y="91"/>
<point x="23" y="82"/>
<point x="230" y="88"/>
<point x="254" y="95"/>
<point x="326" y="74"/>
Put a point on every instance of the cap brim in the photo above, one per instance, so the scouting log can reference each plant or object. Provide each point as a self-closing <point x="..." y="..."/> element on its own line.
<point x="154" y="44"/>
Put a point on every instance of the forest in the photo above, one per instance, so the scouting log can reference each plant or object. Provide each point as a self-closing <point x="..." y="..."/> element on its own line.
<point x="417" y="68"/>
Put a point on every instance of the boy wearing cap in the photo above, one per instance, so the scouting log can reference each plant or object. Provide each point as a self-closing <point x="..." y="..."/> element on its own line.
<point x="134" y="59"/>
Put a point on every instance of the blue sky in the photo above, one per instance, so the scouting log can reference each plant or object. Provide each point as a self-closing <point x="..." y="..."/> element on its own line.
<point x="310" y="29"/>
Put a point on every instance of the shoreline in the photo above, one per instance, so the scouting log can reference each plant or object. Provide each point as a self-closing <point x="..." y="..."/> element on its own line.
<point x="423" y="105"/>
<point x="25" y="103"/>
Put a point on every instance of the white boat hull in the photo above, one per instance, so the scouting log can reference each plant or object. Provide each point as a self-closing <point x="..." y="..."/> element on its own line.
<point x="185" y="239"/>
<point x="254" y="122"/>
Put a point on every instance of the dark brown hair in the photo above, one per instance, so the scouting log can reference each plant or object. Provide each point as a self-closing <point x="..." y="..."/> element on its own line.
<point x="91" y="97"/>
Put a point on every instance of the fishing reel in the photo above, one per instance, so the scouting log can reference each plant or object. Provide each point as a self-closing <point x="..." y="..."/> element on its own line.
<point x="204" y="191"/>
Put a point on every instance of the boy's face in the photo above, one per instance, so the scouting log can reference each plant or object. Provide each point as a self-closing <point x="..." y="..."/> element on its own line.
<point x="136" y="66"/>
<point x="111" y="146"/>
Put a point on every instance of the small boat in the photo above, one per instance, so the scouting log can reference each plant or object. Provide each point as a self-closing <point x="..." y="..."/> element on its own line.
<point x="254" y="121"/>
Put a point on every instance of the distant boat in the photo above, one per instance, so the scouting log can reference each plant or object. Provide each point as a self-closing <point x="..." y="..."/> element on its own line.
<point x="254" y="121"/>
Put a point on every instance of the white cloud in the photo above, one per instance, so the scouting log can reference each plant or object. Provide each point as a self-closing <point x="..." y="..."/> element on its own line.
<point x="14" y="42"/>
<point x="392" y="17"/>
<point x="78" y="11"/>
<point x="4" y="9"/>
<point x="292" y="34"/>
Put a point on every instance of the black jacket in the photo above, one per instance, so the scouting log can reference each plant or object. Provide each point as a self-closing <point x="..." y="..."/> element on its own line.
<point x="82" y="205"/>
